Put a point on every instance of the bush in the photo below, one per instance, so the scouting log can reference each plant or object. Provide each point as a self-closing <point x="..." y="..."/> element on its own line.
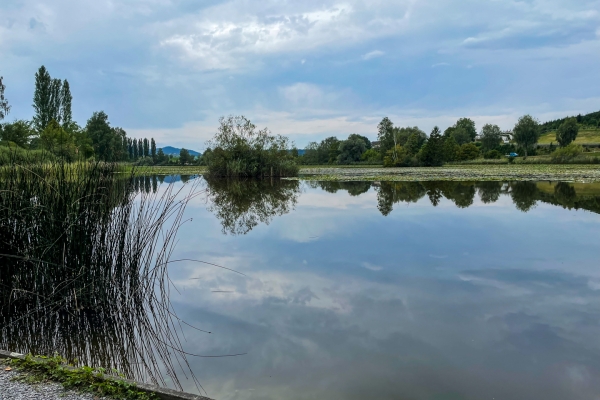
<point x="468" y="151"/>
<point x="492" y="155"/>
<point x="10" y="155"/>
<point x="239" y="150"/>
<point x="567" y="153"/>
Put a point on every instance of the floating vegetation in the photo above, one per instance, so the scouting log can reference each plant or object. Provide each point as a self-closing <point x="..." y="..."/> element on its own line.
<point x="502" y="172"/>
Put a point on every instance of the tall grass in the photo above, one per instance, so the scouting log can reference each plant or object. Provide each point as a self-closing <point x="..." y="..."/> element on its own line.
<point x="83" y="267"/>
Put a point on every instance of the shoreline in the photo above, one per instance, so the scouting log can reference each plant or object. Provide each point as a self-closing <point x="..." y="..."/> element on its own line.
<point x="160" y="392"/>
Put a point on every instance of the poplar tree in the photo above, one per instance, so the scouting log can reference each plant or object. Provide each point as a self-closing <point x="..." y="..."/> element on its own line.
<point x="65" y="104"/>
<point x="153" y="149"/>
<point x="135" y="149"/>
<point x="140" y="148"/>
<point x="146" y="148"/>
<point x="56" y="99"/>
<point x="4" y="107"/>
<point x="42" y="99"/>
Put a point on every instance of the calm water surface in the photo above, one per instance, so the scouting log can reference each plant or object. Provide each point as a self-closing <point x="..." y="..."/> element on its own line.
<point x="393" y="290"/>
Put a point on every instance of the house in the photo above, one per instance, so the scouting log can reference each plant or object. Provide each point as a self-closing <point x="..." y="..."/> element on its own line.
<point x="375" y="145"/>
<point x="506" y="137"/>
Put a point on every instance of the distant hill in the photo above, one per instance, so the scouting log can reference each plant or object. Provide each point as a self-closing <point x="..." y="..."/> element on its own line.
<point x="590" y="121"/>
<point x="174" y="151"/>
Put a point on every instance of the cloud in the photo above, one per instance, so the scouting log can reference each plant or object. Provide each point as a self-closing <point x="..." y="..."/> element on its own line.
<point x="373" y="54"/>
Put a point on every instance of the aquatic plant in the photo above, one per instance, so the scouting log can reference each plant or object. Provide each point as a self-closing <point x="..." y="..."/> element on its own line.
<point x="84" y="260"/>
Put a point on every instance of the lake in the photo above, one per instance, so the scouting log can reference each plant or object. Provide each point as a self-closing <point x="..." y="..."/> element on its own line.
<point x="391" y="290"/>
<point x="353" y="290"/>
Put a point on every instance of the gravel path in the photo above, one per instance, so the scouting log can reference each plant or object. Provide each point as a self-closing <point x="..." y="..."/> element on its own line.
<point x="47" y="391"/>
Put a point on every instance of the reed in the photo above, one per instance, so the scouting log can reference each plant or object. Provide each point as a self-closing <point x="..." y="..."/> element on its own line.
<point x="84" y="254"/>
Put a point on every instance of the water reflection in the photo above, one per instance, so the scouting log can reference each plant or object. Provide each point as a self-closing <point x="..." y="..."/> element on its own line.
<point x="240" y="205"/>
<point x="84" y="270"/>
<point x="525" y="195"/>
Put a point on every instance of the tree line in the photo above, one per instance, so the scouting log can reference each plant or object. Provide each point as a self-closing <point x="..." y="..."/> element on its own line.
<point x="53" y="129"/>
<point x="410" y="146"/>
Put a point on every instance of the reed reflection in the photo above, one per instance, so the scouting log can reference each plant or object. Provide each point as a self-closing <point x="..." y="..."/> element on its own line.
<point x="84" y="259"/>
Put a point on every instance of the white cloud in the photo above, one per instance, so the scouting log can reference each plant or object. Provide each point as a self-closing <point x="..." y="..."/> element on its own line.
<point x="373" y="54"/>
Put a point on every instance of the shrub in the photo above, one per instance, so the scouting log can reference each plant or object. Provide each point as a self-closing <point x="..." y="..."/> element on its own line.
<point x="567" y="153"/>
<point x="240" y="150"/>
<point x="492" y="155"/>
<point x="468" y="151"/>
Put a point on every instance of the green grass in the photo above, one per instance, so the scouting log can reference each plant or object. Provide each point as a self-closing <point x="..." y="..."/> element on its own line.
<point x="165" y="169"/>
<point x="585" y="136"/>
<point x="85" y="379"/>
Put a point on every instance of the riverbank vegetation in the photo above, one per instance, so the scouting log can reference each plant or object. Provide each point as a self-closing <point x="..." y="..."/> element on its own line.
<point x="240" y="150"/>
<point x="84" y="251"/>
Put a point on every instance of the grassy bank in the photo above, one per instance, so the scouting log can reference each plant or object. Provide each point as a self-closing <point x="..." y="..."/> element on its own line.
<point x="497" y="172"/>
<point x="585" y="136"/>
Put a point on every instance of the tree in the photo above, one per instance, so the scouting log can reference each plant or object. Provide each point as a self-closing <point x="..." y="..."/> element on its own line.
<point x="490" y="137"/>
<point x="351" y="149"/>
<point x="365" y="139"/>
<point x="135" y="149"/>
<point x="414" y="144"/>
<point x="451" y="149"/>
<point x="526" y="132"/>
<point x="160" y="156"/>
<point x="42" y="99"/>
<point x="140" y="148"/>
<point x="107" y="142"/>
<point x="4" y="107"/>
<point x="567" y="132"/>
<point x="55" y="139"/>
<point x="153" y="149"/>
<point x="432" y="153"/>
<point x="385" y="136"/>
<point x="468" y="125"/>
<point x="468" y="151"/>
<point x="146" y="148"/>
<point x="18" y="132"/>
<point x="329" y="149"/>
<point x="185" y="157"/>
<point x="65" y="104"/>
<point x="461" y="135"/>
<point x="56" y="99"/>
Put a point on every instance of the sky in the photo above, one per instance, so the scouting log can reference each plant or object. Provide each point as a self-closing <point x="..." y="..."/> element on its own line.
<point x="306" y="69"/>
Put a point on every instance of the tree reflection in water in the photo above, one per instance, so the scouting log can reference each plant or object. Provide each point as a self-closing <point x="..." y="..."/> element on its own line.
<point x="525" y="195"/>
<point x="241" y="205"/>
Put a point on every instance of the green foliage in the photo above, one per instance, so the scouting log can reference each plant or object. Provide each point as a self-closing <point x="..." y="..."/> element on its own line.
<point x="108" y="143"/>
<point x="240" y="150"/>
<point x="432" y="153"/>
<point x="371" y="156"/>
<point x="567" y="132"/>
<point x="490" y="137"/>
<point x="85" y="379"/>
<point x="42" y="100"/>
<point x="185" y="157"/>
<point x="153" y="149"/>
<point x="492" y="155"/>
<point x="451" y="149"/>
<point x="66" y="99"/>
<point x="58" y="141"/>
<point x="16" y="155"/>
<point x="385" y="136"/>
<point x="364" y="139"/>
<point x="402" y="135"/>
<point x="526" y="132"/>
<point x="4" y="106"/>
<point x="18" y="132"/>
<point x="414" y="143"/>
<point x="351" y="149"/>
<point x="567" y="153"/>
<point x="463" y="131"/>
<point x="468" y="151"/>
<point x="399" y="156"/>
